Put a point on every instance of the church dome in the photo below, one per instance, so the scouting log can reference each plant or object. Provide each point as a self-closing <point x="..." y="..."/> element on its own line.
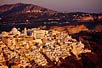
<point x="14" y="30"/>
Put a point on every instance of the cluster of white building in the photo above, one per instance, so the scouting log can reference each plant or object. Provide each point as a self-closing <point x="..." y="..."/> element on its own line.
<point x="21" y="48"/>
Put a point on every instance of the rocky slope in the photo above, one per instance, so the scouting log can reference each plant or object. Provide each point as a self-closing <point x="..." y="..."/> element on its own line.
<point x="71" y="29"/>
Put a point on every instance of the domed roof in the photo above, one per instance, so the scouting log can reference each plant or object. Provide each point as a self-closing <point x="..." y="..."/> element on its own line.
<point x="14" y="30"/>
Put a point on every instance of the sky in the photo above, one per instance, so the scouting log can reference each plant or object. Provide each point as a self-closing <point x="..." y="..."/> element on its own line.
<point x="92" y="6"/>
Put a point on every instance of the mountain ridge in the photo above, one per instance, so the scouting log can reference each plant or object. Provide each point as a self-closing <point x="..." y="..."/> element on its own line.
<point x="21" y="8"/>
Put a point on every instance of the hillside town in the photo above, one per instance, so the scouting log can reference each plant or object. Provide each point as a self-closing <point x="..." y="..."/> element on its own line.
<point x="36" y="47"/>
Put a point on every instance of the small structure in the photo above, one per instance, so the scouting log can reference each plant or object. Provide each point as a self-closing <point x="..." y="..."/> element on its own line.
<point x="14" y="31"/>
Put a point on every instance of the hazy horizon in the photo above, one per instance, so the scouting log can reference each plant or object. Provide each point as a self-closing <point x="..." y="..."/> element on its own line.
<point x="90" y="6"/>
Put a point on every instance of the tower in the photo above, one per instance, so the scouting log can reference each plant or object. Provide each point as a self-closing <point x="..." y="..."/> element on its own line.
<point x="25" y="31"/>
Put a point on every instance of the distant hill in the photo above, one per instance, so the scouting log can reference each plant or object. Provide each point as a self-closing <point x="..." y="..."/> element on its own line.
<point x="17" y="13"/>
<point x="22" y="8"/>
